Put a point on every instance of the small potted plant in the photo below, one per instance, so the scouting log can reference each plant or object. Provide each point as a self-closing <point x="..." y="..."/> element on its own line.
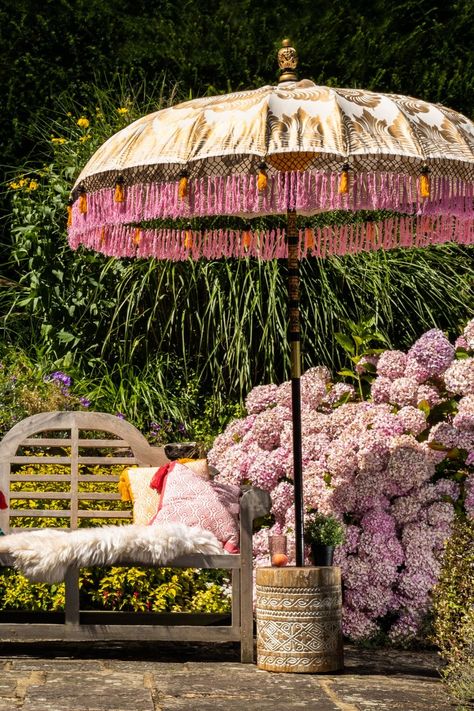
<point x="323" y="533"/>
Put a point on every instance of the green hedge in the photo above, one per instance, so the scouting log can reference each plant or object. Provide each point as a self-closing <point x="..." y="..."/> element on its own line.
<point x="454" y="614"/>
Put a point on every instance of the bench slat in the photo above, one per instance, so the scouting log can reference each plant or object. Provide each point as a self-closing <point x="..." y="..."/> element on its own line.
<point x="89" y="633"/>
<point x="67" y="460"/>
<point x="66" y="442"/>
<point x="57" y="513"/>
<point x="14" y="495"/>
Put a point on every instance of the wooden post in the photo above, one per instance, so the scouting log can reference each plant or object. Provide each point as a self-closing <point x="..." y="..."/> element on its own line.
<point x="299" y="613"/>
<point x="294" y="337"/>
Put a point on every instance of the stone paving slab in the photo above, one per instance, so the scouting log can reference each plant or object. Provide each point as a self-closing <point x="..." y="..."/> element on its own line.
<point x="247" y="703"/>
<point x="193" y="677"/>
<point x="384" y="694"/>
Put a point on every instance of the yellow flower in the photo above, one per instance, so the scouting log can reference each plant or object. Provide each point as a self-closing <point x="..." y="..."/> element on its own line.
<point x="34" y="185"/>
<point x="18" y="184"/>
<point x="83" y="122"/>
<point x="122" y="110"/>
<point x="85" y="138"/>
<point x="57" y="139"/>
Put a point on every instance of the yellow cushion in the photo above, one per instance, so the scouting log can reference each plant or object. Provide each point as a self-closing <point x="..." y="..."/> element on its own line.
<point x="145" y="500"/>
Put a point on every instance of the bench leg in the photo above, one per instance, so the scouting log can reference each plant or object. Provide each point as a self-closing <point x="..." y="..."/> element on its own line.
<point x="72" y="596"/>
<point x="246" y="616"/>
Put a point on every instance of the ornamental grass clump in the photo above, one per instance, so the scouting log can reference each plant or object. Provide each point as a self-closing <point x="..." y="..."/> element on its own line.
<point x="393" y="460"/>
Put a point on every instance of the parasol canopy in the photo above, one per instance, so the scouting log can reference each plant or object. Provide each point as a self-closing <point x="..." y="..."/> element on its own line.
<point x="303" y="137"/>
<point x="294" y="148"/>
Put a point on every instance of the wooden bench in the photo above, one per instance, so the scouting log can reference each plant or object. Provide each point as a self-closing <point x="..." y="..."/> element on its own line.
<point x="75" y="442"/>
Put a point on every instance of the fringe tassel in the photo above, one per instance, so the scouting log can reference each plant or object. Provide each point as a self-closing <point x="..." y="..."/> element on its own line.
<point x="307" y="193"/>
<point x="69" y="214"/>
<point x="178" y="245"/>
<point x="344" y="179"/>
<point x="183" y="185"/>
<point x="262" y="180"/>
<point x="119" y="194"/>
<point x="83" y="202"/>
<point x="425" y="182"/>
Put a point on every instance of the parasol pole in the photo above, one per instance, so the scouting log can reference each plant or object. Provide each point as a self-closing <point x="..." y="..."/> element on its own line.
<point x="288" y="61"/>
<point x="294" y="337"/>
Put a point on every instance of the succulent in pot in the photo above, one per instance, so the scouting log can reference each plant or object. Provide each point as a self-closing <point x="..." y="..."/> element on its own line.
<point x="323" y="533"/>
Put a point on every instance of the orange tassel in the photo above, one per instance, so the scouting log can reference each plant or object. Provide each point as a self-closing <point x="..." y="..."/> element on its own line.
<point x="246" y="238"/>
<point x="183" y="185"/>
<point x="137" y="237"/>
<point x="69" y="214"/>
<point x="188" y="239"/>
<point x="309" y="238"/>
<point x="425" y="182"/>
<point x="83" y="202"/>
<point x="344" y="179"/>
<point x="119" y="195"/>
<point x="102" y="235"/>
<point x="262" y="180"/>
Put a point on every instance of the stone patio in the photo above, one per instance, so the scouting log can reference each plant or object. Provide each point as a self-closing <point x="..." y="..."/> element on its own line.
<point x="185" y="677"/>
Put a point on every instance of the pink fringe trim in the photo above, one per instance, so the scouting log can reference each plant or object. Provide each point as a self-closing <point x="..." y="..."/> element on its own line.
<point x="307" y="192"/>
<point x="179" y="245"/>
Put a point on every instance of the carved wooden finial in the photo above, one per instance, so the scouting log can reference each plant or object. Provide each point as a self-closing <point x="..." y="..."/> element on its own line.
<point x="287" y="61"/>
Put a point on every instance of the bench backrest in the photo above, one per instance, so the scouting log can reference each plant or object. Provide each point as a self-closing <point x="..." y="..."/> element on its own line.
<point x="76" y="458"/>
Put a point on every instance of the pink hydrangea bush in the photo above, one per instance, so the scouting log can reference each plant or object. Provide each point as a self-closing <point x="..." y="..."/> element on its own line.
<point x="385" y="466"/>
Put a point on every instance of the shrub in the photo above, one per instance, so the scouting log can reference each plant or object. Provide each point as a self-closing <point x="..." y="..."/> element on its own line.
<point x="453" y="608"/>
<point x="27" y="388"/>
<point x="394" y="468"/>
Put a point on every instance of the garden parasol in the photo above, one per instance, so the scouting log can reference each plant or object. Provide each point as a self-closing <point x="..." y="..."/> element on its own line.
<point x="294" y="148"/>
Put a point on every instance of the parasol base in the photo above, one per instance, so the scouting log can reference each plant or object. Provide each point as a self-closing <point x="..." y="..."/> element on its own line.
<point x="299" y="616"/>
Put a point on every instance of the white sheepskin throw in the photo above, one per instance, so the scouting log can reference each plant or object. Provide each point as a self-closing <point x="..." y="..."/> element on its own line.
<point x="45" y="555"/>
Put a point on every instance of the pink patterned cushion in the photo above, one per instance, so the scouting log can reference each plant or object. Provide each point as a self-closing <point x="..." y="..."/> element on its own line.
<point x="189" y="499"/>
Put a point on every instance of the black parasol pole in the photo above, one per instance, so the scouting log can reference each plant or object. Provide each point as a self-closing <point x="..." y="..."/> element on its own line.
<point x="294" y="337"/>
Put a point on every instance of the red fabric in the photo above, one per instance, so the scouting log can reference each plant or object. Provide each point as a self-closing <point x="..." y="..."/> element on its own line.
<point x="3" y="501"/>
<point x="159" y="478"/>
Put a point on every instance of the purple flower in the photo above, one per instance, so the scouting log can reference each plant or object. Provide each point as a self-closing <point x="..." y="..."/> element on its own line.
<point x="59" y="377"/>
<point x="84" y="402"/>
<point x="380" y="389"/>
<point x="433" y="352"/>
<point x="363" y="462"/>
<point x="459" y="377"/>
<point x="260" y="398"/>
<point x="469" y="335"/>
<point x="391" y="364"/>
<point x="120" y="415"/>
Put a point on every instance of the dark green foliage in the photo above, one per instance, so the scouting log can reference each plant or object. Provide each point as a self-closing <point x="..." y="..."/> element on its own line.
<point x="453" y="610"/>
<point x="411" y="47"/>
<point x="137" y="333"/>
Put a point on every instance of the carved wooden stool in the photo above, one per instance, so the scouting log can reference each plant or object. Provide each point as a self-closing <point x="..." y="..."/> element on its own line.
<point x="299" y="619"/>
